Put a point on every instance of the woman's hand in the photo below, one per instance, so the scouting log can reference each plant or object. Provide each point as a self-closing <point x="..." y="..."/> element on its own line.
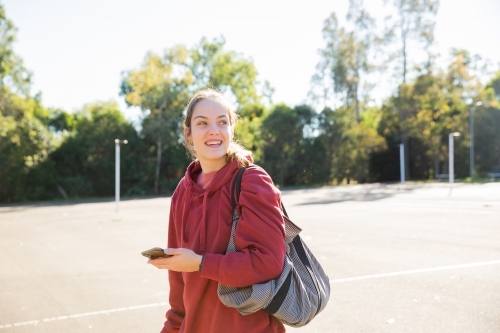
<point x="182" y="260"/>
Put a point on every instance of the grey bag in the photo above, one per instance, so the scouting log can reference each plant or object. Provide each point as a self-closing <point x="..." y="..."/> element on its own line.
<point x="297" y="295"/>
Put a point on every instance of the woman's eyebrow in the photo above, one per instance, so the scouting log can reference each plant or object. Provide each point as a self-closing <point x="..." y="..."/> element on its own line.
<point x="222" y="116"/>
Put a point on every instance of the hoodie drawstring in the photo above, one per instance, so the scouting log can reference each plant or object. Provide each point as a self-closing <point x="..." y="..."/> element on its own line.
<point x="203" y="222"/>
<point x="185" y="214"/>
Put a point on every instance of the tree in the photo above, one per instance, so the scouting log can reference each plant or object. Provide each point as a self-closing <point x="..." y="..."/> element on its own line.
<point x="163" y="85"/>
<point x="284" y="132"/>
<point x="25" y="143"/>
<point x="492" y="89"/>
<point x="487" y="128"/>
<point x="84" y="163"/>
<point x="235" y="76"/>
<point x="487" y="140"/>
<point x="344" y="60"/>
<point x="24" y="140"/>
<point x="327" y="137"/>
<point x="229" y="72"/>
<point x="342" y="71"/>
<point x="160" y="88"/>
<point x="413" y="23"/>
<point x="436" y="104"/>
<point x="354" y="144"/>
<point x="384" y="164"/>
<point x="13" y="74"/>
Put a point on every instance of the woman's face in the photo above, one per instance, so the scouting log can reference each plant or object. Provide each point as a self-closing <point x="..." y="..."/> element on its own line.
<point x="211" y="134"/>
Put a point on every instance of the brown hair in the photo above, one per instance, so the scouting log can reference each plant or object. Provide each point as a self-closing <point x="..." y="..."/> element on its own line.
<point x="235" y="150"/>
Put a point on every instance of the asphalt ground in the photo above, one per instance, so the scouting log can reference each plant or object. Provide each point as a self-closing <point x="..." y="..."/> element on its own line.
<point x="400" y="258"/>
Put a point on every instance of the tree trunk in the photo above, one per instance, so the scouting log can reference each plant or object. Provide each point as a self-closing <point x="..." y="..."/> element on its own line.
<point x="356" y="87"/>
<point x="404" y="139"/>
<point x="436" y="165"/>
<point x="404" y="35"/>
<point x="281" y="177"/>
<point x="404" y="58"/>
<point x="159" y="148"/>
<point x="356" y="104"/>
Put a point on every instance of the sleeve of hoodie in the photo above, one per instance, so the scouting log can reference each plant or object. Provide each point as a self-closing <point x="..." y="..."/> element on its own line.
<point x="259" y="236"/>
<point x="175" y="315"/>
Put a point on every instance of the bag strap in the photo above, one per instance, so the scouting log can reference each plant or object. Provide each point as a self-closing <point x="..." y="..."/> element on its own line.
<point x="236" y="188"/>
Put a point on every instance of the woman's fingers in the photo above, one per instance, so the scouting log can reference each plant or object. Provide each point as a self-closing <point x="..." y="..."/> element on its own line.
<point x="182" y="260"/>
<point x="159" y="263"/>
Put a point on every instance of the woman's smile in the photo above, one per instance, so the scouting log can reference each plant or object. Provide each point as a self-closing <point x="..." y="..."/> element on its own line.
<point x="214" y="144"/>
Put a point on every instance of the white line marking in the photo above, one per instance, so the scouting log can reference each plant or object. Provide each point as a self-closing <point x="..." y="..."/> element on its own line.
<point x="357" y="278"/>
<point x="36" y="322"/>
<point x="415" y="271"/>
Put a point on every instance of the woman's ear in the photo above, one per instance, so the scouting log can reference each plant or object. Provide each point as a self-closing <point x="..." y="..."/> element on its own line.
<point x="187" y="133"/>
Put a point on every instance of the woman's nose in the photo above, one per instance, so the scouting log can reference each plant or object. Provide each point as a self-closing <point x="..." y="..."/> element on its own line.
<point x="213" y="129"/>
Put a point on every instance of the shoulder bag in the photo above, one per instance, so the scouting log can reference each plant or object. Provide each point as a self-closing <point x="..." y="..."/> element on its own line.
<point x="300" y="292"/>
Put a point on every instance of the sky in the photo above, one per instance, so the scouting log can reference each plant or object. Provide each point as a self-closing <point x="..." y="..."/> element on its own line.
<point x="77" y="50"/>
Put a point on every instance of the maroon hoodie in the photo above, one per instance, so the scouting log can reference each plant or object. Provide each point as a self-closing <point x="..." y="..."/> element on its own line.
<point x="200" y="220"/>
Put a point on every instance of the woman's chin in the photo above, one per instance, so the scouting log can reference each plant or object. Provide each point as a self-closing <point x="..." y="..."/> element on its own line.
<point x="213" y="159"/>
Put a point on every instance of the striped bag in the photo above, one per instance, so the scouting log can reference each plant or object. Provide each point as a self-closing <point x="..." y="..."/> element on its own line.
<point x="297" y="295"/>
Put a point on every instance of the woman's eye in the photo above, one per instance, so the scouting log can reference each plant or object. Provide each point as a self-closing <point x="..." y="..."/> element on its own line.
<point x="223" y="122"/>
<point x="202" y="123"/>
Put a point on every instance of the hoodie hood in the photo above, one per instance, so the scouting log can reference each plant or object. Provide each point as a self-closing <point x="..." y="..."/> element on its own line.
<point x="193" y="190"/>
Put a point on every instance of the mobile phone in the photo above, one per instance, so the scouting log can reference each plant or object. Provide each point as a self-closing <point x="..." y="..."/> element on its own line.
<point x="155" y="252"/>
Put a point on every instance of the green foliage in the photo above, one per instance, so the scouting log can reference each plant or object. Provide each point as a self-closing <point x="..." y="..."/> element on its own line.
<point x="345" y="58"/>
<point x="84" y="163"/>
<point x="354" y="144"/>
<point x="160" y="88"/>
<point x="25" y="143"/>
<point x="434" y="105"/>
<point x="60" y="121"/>
<point x="303" y="147"/>
<point x="49" y="153"/>
<point x="12" y="72"/>
<point x="493" y="87"/>
<point x="348" y="135"/>
<point x="413" y="23"/>
<point x="163" y="85"/>
<point x="487" y="140"/>
<point x="487" y="129"/>
<point x="284" y="148"/>
<point x="227" y="71"/>
<point x="248" y="134"/>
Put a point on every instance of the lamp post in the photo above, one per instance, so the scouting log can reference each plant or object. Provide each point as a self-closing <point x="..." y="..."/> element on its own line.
<point x="117" y="171"/>
<point x="471" y="130"/>
<point x="450" y="159"/>
<point x="402" y="162"/>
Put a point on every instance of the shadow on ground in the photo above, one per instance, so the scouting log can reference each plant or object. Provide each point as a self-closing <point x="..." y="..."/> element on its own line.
<point x="20" y="206"/>
<point x="372" y="192"/>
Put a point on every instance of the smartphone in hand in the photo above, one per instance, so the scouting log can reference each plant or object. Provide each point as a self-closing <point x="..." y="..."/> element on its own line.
<point x="155" y="252"/>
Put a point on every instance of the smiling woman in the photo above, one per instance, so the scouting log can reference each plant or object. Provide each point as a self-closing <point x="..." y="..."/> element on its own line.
<point x="209" y="131"/>
<point x="200" y="227"/>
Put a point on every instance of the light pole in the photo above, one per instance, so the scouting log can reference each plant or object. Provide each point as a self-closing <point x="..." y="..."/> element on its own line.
<point x="471" y="130"/>
<point x="450" y="159"/>
<point x="402" y="162"/>
<point x="117" y="171"/>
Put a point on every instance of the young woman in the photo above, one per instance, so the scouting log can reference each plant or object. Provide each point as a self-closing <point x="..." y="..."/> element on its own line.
<point x="200" y="226"/>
